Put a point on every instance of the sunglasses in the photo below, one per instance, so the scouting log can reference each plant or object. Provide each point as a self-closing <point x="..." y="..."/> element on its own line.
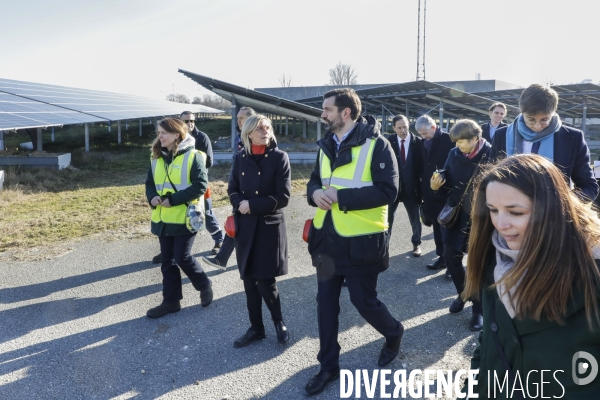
<point x="187" y="121"/>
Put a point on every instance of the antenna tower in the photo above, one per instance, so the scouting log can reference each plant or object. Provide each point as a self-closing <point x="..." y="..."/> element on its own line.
<point x="421" y="41"/>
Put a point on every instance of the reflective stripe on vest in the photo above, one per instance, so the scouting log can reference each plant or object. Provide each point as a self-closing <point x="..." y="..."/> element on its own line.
<point x="179" y="173"/>
<point x="356" y="174"/>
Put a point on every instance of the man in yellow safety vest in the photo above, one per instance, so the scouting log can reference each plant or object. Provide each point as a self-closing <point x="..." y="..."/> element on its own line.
<point x="354" y="179"/>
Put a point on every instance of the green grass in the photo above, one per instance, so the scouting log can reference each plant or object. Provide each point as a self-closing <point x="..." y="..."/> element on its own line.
<point x="102" y="191"/>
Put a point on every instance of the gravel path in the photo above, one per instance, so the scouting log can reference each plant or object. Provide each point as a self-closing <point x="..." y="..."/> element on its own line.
<point x="74" y="327"/>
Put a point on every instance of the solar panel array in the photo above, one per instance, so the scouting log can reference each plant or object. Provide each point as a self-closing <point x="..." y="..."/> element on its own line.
<point x="28" y="105"/>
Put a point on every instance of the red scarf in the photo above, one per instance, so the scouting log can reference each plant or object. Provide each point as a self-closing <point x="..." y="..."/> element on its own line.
<point x="258" y="149"/>
<point x="477" y="149"/>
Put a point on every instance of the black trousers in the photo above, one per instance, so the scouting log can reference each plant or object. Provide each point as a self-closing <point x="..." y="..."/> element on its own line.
<point x="412" y="210"/>
<point x="179" y="248"/>
<point x="363" y="295"/>
<point x="454" y="259"/>
<point x="226" y="249"/>
<point x="258" y="290"/>
<point x="437" y="237"/>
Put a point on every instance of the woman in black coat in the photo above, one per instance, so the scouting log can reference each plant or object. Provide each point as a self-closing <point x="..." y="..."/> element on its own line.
<point x="259" y="189"/>
<point x="462" y="164"/>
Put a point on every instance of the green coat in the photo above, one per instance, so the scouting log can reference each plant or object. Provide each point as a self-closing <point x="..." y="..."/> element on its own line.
<point x="535" y="345"/>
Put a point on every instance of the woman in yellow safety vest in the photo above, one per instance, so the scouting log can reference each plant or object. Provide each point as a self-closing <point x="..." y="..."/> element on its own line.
<point x="177" y="176"/>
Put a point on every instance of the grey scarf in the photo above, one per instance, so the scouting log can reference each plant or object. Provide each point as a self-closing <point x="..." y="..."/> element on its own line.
<point x="505" y="259"/>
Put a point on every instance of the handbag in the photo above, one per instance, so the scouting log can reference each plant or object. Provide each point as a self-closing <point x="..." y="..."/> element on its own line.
<point x="306" y="230"/>
<point x="424" y="218"/>
<point x="449" y="214"/>
<point x="231" y="226"/>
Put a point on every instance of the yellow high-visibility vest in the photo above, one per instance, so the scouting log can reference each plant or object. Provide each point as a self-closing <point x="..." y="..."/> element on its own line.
<point x="356" y="174"/>
<point x="179" y="175"/>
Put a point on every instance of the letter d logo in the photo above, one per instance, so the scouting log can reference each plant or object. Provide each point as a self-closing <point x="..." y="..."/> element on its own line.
<point x="584" y="367"/>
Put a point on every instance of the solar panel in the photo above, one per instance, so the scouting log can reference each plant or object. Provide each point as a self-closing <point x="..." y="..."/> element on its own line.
<point x="25" y="103"/>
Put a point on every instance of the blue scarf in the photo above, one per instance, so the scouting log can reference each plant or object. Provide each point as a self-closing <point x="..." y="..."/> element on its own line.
<point x="518" y="131"/>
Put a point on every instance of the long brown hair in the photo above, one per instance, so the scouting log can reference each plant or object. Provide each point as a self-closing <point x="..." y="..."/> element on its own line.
<point x="555" y="260"/>
<point x="170" y="125"/>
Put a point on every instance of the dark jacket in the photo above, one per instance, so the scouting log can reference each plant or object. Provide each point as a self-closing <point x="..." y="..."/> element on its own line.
<point x="459" y="170"/>
<point x="571" y="156"/>
<point x="199" y="182"/>
<point x="203" y="144"/>
<point x="261" y="240"/>
<point x="485" y="130"/>
<point x="436" y="158"/>
<point x="360" y="254"/>
<point x="532" y="346"/>
<point x="415" y="151"/>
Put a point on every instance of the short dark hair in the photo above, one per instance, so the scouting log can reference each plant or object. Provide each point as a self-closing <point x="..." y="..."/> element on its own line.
<point x="346" y="98"/>
<point x="186" y="113"/>
<point x="498" y="104"/>
<point x="538" y="99"/>
<point x="465" y="129"/>
<point x="397" y="118"/>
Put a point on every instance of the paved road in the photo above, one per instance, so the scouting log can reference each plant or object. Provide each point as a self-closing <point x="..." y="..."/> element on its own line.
<point x="74" y="327"/>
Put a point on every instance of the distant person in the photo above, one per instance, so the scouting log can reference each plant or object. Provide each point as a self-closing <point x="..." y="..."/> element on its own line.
<point x="436" y="147"/>
<point x="534" y="254"/>
<point x="460" y="170"/>
<point x="176" y="176"/>
<point x="259" y="189"/>
<point x="202" y="144"/>
<point x="349" y="234"/>
<point x="497" y="114"/>
<point x="539" y="130"/>
<point x="222" y="257"/>
<point x="409" y="152"/>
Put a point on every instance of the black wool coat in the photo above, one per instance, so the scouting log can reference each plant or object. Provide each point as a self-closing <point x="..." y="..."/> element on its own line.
<point x="261" y="239"/>
<point x="416" y="152"/>
<point x="485" y="130"/>
<point x="436" y="158"/>
<point x="571" y="156"/>
<point x="459" y="170"/>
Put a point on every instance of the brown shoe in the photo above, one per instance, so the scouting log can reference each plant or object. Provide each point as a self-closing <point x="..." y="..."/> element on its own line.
<point x="416" y="250"/>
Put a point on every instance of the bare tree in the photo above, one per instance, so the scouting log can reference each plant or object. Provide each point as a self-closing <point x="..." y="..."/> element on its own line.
<point x="214" y="101"/>
<point x="343" y="74"/>
<point x="178" y="98"/>
<point x="285" y="82"/>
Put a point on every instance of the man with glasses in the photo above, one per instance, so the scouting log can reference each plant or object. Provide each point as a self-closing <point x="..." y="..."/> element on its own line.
<point x="408" y="151"/>
<point x="202" y="144"/>
<point x="538" y="129"/>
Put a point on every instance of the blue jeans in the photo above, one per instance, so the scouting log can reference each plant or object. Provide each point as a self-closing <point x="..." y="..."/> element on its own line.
<point x="178" y="248"/>
<point x="212" y="225"/>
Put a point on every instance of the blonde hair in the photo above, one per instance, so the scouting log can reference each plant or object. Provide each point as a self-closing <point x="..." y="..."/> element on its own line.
<point x="556" y="260"/>
<point x="250" y="125"/>
<point x="170" y="125"/>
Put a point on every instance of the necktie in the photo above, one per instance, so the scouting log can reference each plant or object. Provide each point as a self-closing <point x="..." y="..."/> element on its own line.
<point x="402" y="152"/>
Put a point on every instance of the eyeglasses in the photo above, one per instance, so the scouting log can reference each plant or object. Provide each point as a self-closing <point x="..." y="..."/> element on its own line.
<point x="187" y="121"/>
<point x="532" y="121"/>
<point x="262" y="128"/>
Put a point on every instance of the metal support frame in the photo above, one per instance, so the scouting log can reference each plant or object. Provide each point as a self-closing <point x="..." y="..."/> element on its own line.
<point x="109" y="124"/>
<point x="287" y="124"/>
<point x="39" y="139"/>
<point x="87" y="137"/>
<point x="304" y="128"/>
<point x="456" y="103"/>
<point x="1" y="140"/>
<point x="584" y="118"/>
<point x="318" y="130"/>
<point x="119" y="132"/>
<point x="140" y="127"/>
<point x="234" y="111"/>
<point x="52" y="137"/>
<point x="441" y="109"/>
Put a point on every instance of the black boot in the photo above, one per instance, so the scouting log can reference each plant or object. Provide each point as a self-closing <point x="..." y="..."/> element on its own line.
<point x="248" y="338"/>
<point x="283" y="336"/>
<point x="163" y="309"/>
<point x="438" y="264"/>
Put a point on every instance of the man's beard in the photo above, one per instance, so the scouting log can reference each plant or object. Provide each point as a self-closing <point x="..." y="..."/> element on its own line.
<point x="334" y="125"/>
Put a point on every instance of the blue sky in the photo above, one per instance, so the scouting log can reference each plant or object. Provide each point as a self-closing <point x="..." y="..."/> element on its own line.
<point x="134" y="46"/>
